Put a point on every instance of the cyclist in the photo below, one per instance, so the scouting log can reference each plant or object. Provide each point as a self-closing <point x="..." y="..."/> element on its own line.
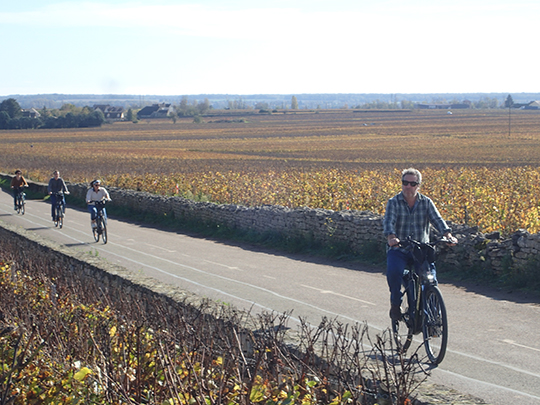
<point x="17" y="184"/>
<point x="57" y="186"/>
<point x="96" y="193"/>
<point x="408" y="213"/>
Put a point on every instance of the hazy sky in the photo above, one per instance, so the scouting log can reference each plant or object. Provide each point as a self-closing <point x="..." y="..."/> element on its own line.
<point x="168" y="47"/>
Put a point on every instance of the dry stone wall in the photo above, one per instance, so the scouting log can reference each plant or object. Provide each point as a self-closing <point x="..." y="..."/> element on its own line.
<point x="359" y="230"/>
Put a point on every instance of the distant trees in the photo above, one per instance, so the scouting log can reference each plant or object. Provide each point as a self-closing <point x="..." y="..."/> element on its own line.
<point x="73" y="120"/>
<point x="11" y="116"/>
<point x="294" y="103"/>
<point x="381" y="105"/>
<point x="262" y="106"/>
<point x="185" y="109"/>
<point x="11" y="107"/>
<point x="69" y="116"/>
<point x="238" y="104"/>
<point x="486" y="102"/>
<point x="509" y="102"/>
<point x="4" y="120"/>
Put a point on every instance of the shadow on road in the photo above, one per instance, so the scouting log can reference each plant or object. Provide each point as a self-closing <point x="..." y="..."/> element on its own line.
<point x="76" y="244"/>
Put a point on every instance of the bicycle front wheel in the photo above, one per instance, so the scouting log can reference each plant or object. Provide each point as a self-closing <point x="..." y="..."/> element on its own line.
<point x="22" y="208"/>
<point x="59" y="216"/>
<point x="435" y="328"/>
<point x="95" y="231"/>
<point x="403" y="331"/>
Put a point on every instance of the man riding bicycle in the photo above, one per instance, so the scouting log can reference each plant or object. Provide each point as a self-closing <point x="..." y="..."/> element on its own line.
<point x="56" y="189"/>
<point x="408" y="213"/>
<point x="96" y="193"/>
<point x="17" y="184"/>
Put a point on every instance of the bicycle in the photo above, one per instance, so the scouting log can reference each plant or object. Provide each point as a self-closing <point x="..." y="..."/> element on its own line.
<point x="423" y="310"/>
<point x="59" y="209"/>
<point x="20" y="201"/>
<point x="101" y="222"/>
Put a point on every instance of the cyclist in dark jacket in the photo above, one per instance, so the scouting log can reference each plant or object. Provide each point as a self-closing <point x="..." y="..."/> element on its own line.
<point x="57" y="185"/>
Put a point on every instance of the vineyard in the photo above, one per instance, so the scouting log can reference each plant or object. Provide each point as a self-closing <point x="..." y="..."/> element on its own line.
<point x="480" y="167"/>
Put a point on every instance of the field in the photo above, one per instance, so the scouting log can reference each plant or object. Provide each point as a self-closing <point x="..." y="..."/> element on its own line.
<point x="479" y="166"/>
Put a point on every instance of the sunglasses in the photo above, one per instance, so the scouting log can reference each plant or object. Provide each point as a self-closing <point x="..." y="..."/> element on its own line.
<point x="411" y="183"/>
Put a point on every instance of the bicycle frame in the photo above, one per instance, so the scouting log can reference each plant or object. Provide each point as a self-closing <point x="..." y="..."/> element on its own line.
<point x="426" y="312"/>
<point x="101" y="222"/>
<point x="414" y="291"/>
<point x="99" y="207"/>
<point x="59" y="209"/>
<point x="59" y="203"/>
<point x="20" y="201"/>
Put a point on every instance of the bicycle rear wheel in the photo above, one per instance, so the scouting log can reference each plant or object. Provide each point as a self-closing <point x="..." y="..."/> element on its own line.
<point x="104" y="231"/>
<point x="435" y="328"/>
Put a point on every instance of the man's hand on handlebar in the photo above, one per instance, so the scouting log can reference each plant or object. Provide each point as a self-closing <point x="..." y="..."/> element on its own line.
<point x="450" y="240"/>
<point x="393" y="240"/>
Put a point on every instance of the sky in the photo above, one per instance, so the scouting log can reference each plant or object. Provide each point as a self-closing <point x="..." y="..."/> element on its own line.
<point x="185" y="47"/>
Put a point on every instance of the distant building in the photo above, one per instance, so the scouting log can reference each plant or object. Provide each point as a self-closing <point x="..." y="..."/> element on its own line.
<point x="155" y="111"/>
<point x="533" y="105"/>
<point x="111" y="113"/>
<point x="31" y="113"/>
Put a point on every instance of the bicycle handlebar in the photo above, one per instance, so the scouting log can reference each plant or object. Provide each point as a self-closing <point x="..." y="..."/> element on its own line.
<point x="410" y="241"/>
<point x="101" y="202"/>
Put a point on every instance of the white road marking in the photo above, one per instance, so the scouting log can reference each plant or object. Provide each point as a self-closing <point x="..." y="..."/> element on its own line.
<point x="489" y="384"/>
<point x="338" y="294"/>
<point x="511" y="342"/>
<point x="159" y="247"/>
<point x="223" y="265"/>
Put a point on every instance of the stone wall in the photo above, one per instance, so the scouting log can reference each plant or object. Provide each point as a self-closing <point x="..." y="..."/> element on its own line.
<point x="359" y="230"/>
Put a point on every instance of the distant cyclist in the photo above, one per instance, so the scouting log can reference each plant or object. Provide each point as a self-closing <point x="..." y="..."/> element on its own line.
<point x="17" y="184"/>
<point x="57" y="188"/>
<point x="96" y="193"/>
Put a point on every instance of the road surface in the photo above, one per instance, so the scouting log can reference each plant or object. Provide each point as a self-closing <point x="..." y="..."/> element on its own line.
<point x="494" y="345"/>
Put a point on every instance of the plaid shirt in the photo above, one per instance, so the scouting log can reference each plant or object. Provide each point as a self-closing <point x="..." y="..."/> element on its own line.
<point x="403" y="221"/>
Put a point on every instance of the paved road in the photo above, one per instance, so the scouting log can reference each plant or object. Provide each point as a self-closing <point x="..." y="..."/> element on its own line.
<point x="494" y="347"/>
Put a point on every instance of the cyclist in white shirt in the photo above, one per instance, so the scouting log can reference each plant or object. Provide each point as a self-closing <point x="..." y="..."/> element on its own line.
<point x="96" y="193"/>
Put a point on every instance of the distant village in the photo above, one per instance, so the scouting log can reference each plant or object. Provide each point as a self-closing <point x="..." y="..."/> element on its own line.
<point x="119" y="113"/>
<point x="165" y="110"/>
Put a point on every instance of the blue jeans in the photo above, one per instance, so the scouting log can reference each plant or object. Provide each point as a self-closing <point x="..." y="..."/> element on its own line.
<point x="16" y="192"/>
<point x="92" y="209"/>
<point x="396" y="261"/>
<point x="53" y="204"/>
